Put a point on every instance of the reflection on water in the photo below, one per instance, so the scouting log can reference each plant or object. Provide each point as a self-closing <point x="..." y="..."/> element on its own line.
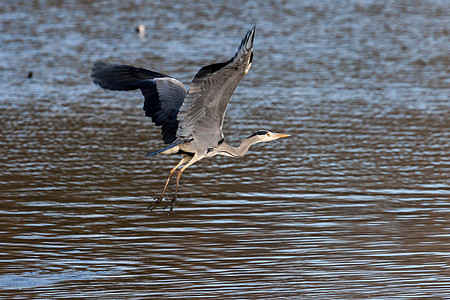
<point x="354" y="205"/>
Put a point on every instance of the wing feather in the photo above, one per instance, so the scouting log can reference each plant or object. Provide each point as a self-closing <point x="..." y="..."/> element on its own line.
<point x="210" y="92"/>
<point x="163" y="95"/>
<point x="120" y="77"/>
<point x="203" y="111"/>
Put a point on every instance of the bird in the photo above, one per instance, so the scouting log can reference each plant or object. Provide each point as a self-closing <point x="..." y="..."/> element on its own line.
<point x="191" y="121"/>
<point x="140" y="29"/>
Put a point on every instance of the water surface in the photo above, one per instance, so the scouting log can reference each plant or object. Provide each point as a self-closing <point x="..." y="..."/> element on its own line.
<point x="355" y="205"/>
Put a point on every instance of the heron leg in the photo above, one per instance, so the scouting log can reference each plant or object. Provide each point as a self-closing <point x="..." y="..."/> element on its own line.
<point x="191" y="162"/>
<point x="184" y="160"/>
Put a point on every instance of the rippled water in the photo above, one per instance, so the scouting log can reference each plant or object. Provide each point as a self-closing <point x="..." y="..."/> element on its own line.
<point x="355" y="205"/>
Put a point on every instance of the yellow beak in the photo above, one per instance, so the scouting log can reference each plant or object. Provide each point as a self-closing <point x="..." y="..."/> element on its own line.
<point x="282" y="135"/>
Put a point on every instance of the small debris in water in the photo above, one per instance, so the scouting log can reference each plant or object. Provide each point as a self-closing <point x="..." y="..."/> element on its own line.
<point x="140" y="29"/>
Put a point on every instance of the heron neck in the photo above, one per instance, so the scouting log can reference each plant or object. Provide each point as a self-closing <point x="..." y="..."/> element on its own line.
<point x="239" y="151"/>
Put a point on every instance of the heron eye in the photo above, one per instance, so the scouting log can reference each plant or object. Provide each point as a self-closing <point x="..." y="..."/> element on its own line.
<point x="268" y="134"/>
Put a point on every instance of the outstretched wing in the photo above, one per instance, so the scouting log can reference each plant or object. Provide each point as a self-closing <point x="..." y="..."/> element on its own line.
<point x="163" y="94"/>
<point x="120" y="77"/>
<point x="210" y="91"/>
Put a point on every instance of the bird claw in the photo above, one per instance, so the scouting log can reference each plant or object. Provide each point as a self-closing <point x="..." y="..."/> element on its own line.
<point x="159" y="200"/>
<point x="155" y="204"/>
<point x="171" y="204"/>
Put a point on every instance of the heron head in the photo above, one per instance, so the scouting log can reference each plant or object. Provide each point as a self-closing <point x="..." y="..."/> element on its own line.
<point x="266" y="136"/>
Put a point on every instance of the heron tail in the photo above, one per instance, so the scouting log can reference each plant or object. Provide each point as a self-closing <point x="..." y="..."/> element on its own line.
<point x="173" y="145"/>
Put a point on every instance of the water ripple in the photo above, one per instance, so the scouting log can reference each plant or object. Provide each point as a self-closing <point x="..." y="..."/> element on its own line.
<point x="353" y="206"/>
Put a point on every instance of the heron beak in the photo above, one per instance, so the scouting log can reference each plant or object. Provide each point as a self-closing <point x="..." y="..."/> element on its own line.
<point x="282" y="135"/>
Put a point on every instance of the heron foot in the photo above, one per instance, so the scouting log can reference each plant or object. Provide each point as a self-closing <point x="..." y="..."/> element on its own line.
<point x="155" y="203"/>
<point x="158" y="200"/>
<point x="171" y="204"/>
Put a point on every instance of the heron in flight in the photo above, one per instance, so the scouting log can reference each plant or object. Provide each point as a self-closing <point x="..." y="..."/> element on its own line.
<point x="191" y="122"/>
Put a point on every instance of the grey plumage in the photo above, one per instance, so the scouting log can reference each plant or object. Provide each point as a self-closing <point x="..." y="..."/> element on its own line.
<point x="210" y="92"/>
<point x="191" y="123"/>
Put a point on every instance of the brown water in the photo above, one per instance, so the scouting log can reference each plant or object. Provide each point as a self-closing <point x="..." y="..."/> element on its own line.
<point x="355" y="205"/>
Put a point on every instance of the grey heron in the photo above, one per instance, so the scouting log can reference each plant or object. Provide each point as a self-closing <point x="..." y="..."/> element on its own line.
<point x="191" y="122"/>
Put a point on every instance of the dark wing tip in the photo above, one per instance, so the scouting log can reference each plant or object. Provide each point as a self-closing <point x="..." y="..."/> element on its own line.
<point x="96" y="72"/>
<point x="246" y="45"/>
<point x="120" y="77"/>
<point x="114" y="77"/>
<point x="247" y="41"/>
